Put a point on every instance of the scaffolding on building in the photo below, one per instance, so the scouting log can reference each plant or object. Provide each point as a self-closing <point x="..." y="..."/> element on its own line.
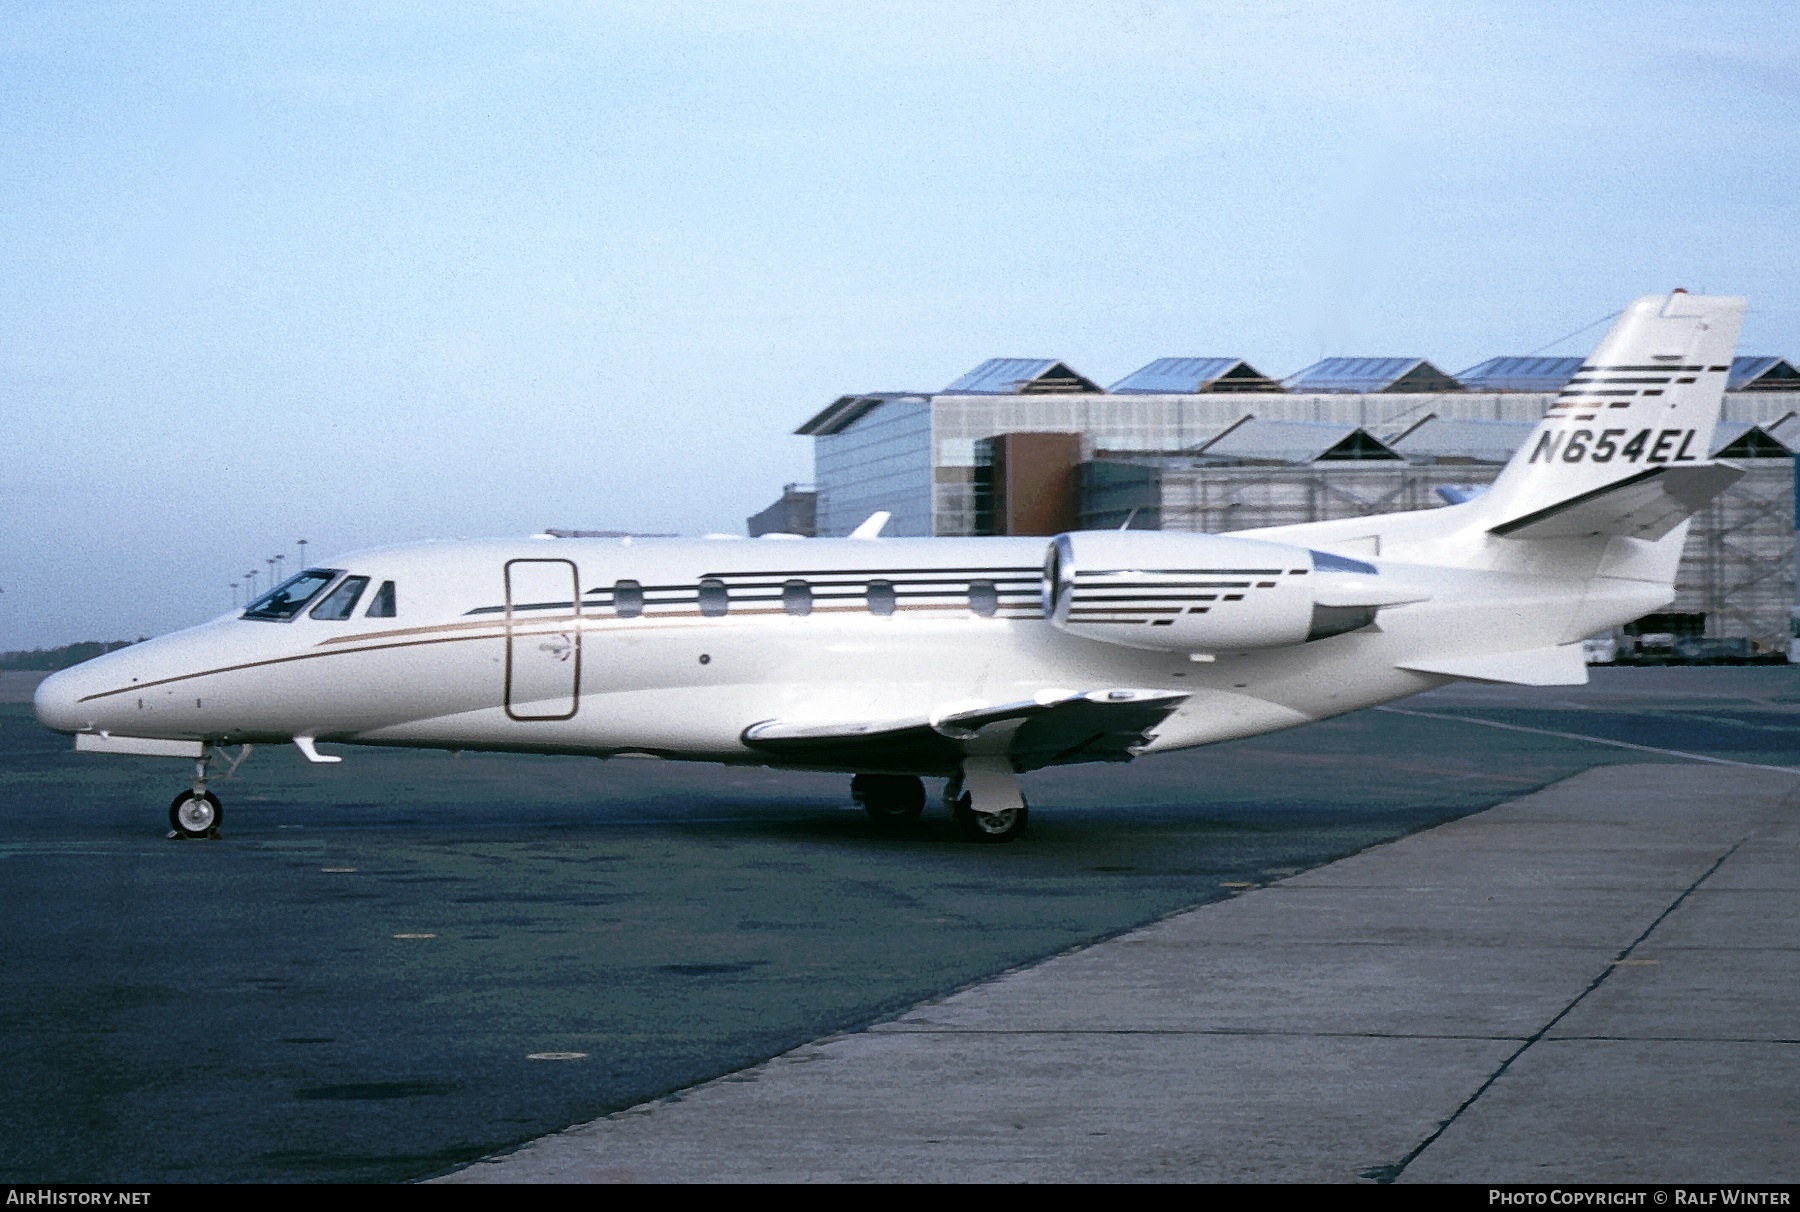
<point x="1736" y="579"/>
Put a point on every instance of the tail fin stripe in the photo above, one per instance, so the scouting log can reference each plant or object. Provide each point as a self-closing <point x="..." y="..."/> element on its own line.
<point x="1631" y="380"/>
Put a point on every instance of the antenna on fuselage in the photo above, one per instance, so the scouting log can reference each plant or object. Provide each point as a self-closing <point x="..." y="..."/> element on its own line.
<point x="871" y="527"/>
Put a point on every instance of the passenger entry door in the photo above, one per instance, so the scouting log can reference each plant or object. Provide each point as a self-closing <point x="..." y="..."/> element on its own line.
<point x="543" y="639"/>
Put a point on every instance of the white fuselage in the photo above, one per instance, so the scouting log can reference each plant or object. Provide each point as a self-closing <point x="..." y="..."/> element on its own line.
<point x="972" y="658"/>
<point x="485" y="650"/>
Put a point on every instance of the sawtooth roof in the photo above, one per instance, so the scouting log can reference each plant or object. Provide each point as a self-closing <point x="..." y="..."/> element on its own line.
<point x="1369" y="376"/>
<point x="1191" y="376"/>
<point x="1021" y="376"/>
<point x="1520" y="374"/>
<point x="1251" y="440"/>
<point x="1752" y="373"/>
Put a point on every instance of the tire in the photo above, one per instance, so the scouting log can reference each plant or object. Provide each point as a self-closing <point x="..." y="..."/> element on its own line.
<point x="891" y="800"/>
<point x="195" y="816"/>
<point x="991" y="828"/>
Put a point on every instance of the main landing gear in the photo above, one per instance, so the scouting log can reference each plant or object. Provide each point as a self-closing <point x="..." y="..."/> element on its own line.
<point x="891" y="800"/>
<point x="985" y="801"/>
<point x="982" y="798"/>
<point x="196" y="812"/>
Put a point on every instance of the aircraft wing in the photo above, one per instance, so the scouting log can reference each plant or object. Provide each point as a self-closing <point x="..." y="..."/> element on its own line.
<point x="1053" y="729"/>
<point x="1647" y="506"/>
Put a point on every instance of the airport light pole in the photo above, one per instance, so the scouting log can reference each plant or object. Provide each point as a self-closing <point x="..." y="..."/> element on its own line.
<point x="250" y="587"/>
<point x="234" y="601"/>
<point x="301" y="543"/>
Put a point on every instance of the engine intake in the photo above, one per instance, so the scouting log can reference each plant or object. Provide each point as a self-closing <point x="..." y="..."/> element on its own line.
<point x="1205" y="593"/>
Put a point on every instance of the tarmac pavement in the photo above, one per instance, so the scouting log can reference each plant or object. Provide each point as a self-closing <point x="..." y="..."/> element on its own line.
<point x="1596" y="982"/>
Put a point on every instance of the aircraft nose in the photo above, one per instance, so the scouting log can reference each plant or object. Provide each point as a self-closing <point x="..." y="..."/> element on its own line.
<point x="57" y="702"/>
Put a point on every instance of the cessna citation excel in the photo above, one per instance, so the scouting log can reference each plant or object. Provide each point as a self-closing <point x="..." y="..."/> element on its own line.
<point x="968" y="659"/>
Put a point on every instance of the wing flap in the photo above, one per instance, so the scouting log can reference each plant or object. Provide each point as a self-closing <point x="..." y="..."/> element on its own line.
<point x="1056" y="728"/>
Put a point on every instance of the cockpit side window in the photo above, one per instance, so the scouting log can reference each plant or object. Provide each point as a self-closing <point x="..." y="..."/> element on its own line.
<point x="340" y="602"/>
<point x="285" y="602"/>
<point x="382" y="605"/>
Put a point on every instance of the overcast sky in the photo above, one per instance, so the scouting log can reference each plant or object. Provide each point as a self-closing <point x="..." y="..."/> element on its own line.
<point x="370" y="272"/>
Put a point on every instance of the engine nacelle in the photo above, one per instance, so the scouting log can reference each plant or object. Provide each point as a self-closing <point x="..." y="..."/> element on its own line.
<point x="1206" y="593"/>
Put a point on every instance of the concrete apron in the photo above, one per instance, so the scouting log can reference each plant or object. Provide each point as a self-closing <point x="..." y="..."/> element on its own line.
<point x="1596" y="982"/>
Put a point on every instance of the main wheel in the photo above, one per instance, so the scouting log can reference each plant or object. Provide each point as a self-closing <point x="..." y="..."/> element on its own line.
<point x="989" y="826"/>
<point x="195" y="815"/>
<point x="889" y="799"/>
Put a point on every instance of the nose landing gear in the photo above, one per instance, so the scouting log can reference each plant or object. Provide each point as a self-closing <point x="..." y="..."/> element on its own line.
<point x="196" y="812"/>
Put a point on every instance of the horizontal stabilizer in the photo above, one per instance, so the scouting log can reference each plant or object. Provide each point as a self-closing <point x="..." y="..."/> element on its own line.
<point x="1053" y="729"/>
<point x="1647" y="506"/>
<point x="1562" y="665"/>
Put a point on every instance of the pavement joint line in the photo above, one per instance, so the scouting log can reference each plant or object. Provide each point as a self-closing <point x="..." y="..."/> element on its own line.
<point x="1595" y="740"/>
<point x="1389" y="1173"/>
<point x="1671" y="1039"/>
<point x="1224" y="1032"/>
<point x="1259" y="1033"/>
<point x="1702" y="711"/>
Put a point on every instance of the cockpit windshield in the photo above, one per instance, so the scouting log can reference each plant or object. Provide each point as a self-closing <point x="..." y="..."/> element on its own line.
<point x="290" y="597"/>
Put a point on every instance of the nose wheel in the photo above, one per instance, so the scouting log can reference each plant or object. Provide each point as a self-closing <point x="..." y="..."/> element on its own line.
<point x="195" y="816"/>
<point x="196" y="812"/>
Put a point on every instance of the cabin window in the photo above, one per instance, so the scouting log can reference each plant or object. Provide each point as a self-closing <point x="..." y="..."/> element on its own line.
<point x="882" y="598"/>
<point x="340" y="602"/>
<point x="796" y="597"/>
<point x="382" y="605"/>
<point x="714" y="598"/>
<point x="628" y="599"/>
<point x="288" y="599"/>
<point x="984" y="599"/>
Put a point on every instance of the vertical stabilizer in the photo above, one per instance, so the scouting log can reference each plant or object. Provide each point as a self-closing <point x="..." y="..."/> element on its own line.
<point x="1645" y="402"/>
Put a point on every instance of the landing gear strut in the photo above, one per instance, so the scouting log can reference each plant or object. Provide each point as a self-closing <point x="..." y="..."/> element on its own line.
<point x="984" y="800"/>
<point x="891" y="800"/>
<point x="196" y="812"/>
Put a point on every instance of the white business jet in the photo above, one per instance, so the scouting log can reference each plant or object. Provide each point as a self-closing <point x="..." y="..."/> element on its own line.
<point x="969" y="659"/>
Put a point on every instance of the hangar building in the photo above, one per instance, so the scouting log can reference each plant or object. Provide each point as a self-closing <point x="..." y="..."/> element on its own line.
<point x="1032" y="446"/>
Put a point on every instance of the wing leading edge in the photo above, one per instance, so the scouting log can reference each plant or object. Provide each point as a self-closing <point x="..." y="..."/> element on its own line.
<point x="1054" y="729"/>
